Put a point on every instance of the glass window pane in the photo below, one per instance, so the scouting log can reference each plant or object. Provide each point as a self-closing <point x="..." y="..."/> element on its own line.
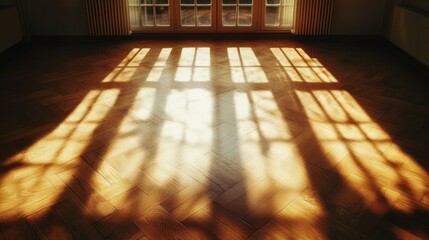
<point x="273" y="2"/>
<point x="245" y="16"/>
<point x="134" y="16"/>
<point x="229" y="16"/>
<point x="272" y="16"/>
<point x="161" y="1"/>
<point x="187" y="16"/>
<point x="146" y="1"/>
<point x="245" y="1"/>
<point x="147" y="16"/>
<point x="162" y="16"/>
<point x="187" y="1"/>
<point x="229" y="1"/>
<point x="203" y="1"/>
<point x="287" y="16"/>
<point x="204" y="17"/>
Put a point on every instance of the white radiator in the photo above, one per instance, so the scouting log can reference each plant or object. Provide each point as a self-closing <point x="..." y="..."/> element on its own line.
<point x="313" y="17"/>
<point x="410" y="32"/>
<point x="108" y="17"/>
<point x="10" y="29"/>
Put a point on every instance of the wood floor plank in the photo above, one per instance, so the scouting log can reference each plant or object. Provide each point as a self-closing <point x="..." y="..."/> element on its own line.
<point x="76" y="222"/>
<point x="119" y="225"/>
<point x="20" y="229"/>
<point x="159" y="224"/>
<point x="48" y="225"/>
<point x="213" y="139"/>
<point x="205" y="226"/>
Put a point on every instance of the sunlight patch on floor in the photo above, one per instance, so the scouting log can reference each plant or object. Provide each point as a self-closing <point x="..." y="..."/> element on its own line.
<point x="269" y="132"/>
<point x="352" y="142"/>
<point x="57" y="152"/>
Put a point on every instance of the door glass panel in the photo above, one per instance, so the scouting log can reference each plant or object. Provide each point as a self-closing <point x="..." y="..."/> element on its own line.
<point x="149" y="13"/>
<point x="187" y="15"/>
<point x="204" y="16"/>
<point x="272" y="16"/>
<point x="245" y="16"/>
<point x="199" y="13"/>
<point x="279" y="13"/>
<point x="134" y="13"/>
<point x="288" y="15"/>
<point x="162" y="16"/>
<point x="196" y="13"/>
<point x="237" y="13"/>
<point x="147" y="16"/>
<point x="229" y="16"/>
<point x="245" y="1"/>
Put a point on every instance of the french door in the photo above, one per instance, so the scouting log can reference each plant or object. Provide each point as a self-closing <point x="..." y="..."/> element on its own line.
<point x="211" y="15"/>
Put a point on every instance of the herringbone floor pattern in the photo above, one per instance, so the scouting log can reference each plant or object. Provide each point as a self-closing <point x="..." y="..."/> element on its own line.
<point x="267" y="139"/>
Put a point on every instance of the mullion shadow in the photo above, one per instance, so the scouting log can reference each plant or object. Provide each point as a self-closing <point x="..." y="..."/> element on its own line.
<point x="325" y="188"/>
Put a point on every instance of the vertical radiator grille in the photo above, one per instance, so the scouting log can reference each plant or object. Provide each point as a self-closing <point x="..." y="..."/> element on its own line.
<point x="313" y="17"/>
<point x="108" y="17"/>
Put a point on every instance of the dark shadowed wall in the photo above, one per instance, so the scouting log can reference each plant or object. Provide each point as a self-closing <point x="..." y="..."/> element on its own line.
<point x="68" y="17"/>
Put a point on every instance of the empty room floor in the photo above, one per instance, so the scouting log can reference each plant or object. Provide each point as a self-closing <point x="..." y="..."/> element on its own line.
<point x="213" y="139"/>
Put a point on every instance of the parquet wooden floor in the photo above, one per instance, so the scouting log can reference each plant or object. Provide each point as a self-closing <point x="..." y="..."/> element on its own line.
<point x="267" y="139"/>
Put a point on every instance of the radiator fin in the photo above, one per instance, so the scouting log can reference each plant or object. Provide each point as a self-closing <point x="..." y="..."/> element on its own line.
<point x="108" y="17"/>
<point x="313" y="17"/>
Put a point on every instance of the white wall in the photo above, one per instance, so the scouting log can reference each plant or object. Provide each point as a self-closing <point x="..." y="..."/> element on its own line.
<point x="56" y="17"/>
<point x="358" y="17"/>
